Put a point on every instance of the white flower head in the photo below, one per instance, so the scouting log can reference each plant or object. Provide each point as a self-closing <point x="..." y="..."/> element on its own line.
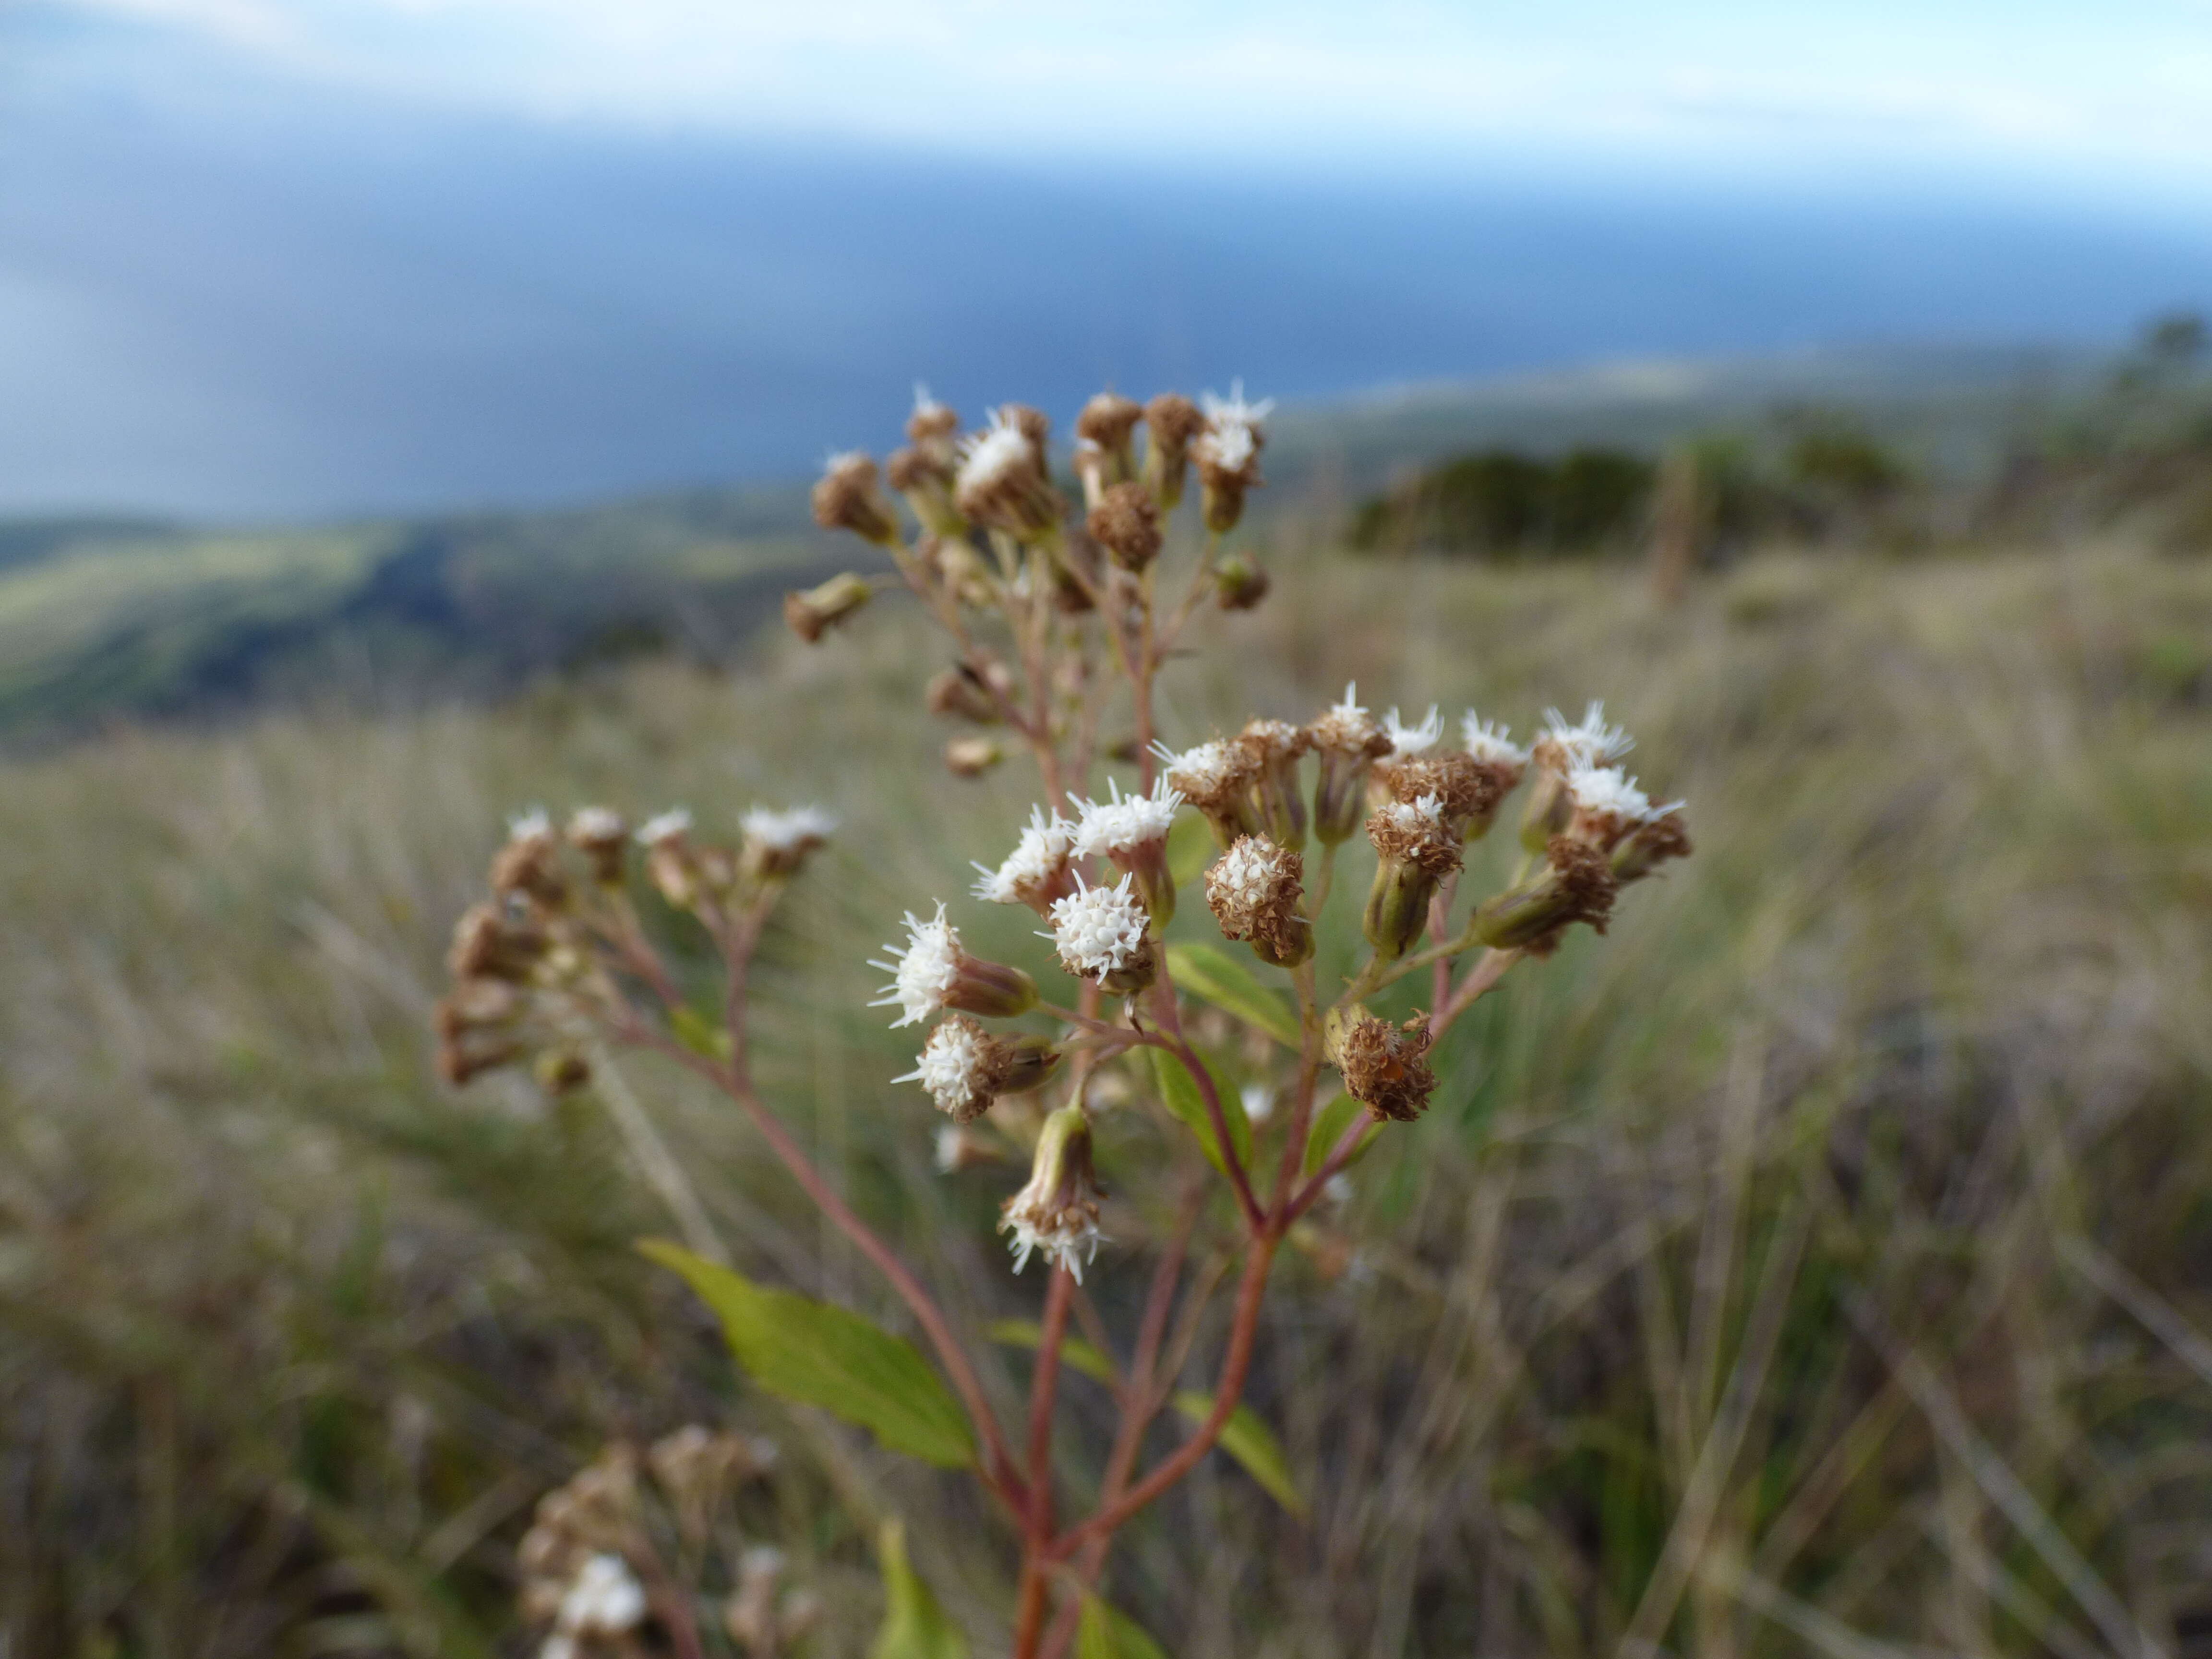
<point x="988" y="457"/>
<point x="961" y="1067"/>
<point x="1490" y="742"/>
<point x="1233" y="411"/>
<point x="1098" y="930"/>
<point x="1123" y="823"/>
<point x="788" y="831"/>
<point x="588" y="825"/>
<point x="924" y="971"/>
<point x="664" y="826"/>
<point x="1592" y="742"/>
<point x="1609" y="791"/>
<point x="1409" y="740"/>
<point x="1230" y="448"/>
<point x="1344" y="726"/>
<point x="529" y="825"/>
<point x="605" y="1599"/>
<point x="1038" y="863"/>
<point x="1209" y="772"/>
<point x="1423" y="816"/>
<point x="1056" y="1211"/>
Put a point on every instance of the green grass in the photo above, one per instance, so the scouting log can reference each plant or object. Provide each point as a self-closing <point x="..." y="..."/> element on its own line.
<point x="1755" y="1270"/>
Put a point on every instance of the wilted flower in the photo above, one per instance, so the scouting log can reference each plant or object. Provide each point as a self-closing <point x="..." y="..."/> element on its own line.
<point x="931" y="425"/>
<point x="935" y="971"/>
<point x="849" y="497"/>
<point x="1002" y="483"/>
<point x="1228" y="455"/>
<point x="777" y="843"/>
<point x="1576" y="883"/>
<point x="1126" y="523"/>
<point x="1348" y="741"/>
<point x="964" y="1068"/>
<point x="1132" y="832"/>
<point x="1661" y="836"/>
<point x="1254" y="889"/>
<point x="1560" y="750"/>
<point x="1383" y="1066"/>
<point x="1414" y="849"/>
<point x="1101" y="933"/>
<point x="1056" y="1213"/>
<point x="1467" y="791"/>
<point x="1217" y="778"/>
<point x="812" y="613"/>
<point x="1037" y="873"/>
<point x="1172" y="422"/>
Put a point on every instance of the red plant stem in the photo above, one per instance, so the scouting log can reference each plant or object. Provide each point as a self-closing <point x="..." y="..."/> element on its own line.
<point x="1302" y="1104"/>
<point x="1486" y="974"/>
<point x="1036" y="1530"/>
<point x="1171" y="1024"/>
<point x="1338" y="1156"/>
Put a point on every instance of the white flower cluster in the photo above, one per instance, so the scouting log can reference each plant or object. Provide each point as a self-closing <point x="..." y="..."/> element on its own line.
<point x="1098" y="930"/>
<point x="1592" y="742"/>
<point x="1038" y="858"/>
<point x="923" y="971"/>
<point x="990" y="455"/>
<point x="1122" y="825"/>
<point x="955" y="1067"/>
<point x="1407" y="741"/>
<point x="788" y="831"/>
<point x="1203" y="770"/>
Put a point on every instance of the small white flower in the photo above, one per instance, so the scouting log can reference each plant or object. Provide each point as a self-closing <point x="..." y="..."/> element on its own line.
<point x="1071" y="1241"/>
<point x="957" y="1068"/>
<point x="605" y="1599"/>
<point x="950" y="1145"/>
<point x="1249" y="876"/>
<point x="1203" y="770"/>
<point x="1098" y="930"/>
<point x="1422" y="817"/>
<point x="1593" y="743"/>
<point x="1034" y="864"/>
<point x="527" y="826"/>
<point x="1230" y="449"/>
<point x="988" y="456"/>
<point x="923" y="971"/>
<point x="666" y="826"/>
<point x="787" y="831"/>
<point x="1233" y="411"/>
<point x="1486" y="740"/>
<point x="1259" y="1101"/>
<point x="1609" y="791"/>
<point x="595" y="823"/>
<point x="1123" y="824"/>
<point x="1408" y="740"/>
<point x="1344" y="726"/>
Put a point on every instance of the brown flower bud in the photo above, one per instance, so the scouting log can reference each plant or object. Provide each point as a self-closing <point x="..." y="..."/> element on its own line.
<point x="1276" y="797"/>
<point x="496" y="942"/>
<point x="970" y="758"/>
<point x="1348" y="742"/>
<point x="932" y="425"/>
<point x="1003" y="484"/>
<point x="1126" y="523"/>
<point x="809" y="614"/>
<point x="1107" y="421"/>
<point x="1383" y="1065"/>
<point x="1254" y="890"/>
<point x="1239" y="583"/>
<point x="530" y="864"/>
<point x="850" y="496"/>
<point x="1649" y="846"/>
<point x="1414" y="850"/>
<point x="599" y="834"/>
<point x="1467" y="790"/>
<point x="925" y="478"/>
<point x="1172" y="422"/>
<point x="778" y="844"/>
<point x="1217" y="777"/>
<point x="961" y="693"/>
<point x="1576" y="884"/>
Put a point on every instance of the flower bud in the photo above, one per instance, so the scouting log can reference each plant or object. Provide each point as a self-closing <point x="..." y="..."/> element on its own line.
<point x="1276" y="798"/>
<point x="1102" y="934"/>
<point x="1002" y="483"/>
<point x="1106" y="423"/>
<point x="1576" y="884"/>
<point x="530" y="863"/>
<point x="1608" y="805"/>
<point x="1038" y="873"/>
<point x="932" y="426"/>
<point x="1056" y="1212"/>
<point x="960" y="693"/>
<point x="1561" y="750"/>
<point x="1217" y="777"/>
<point x="925" y="478"/>
<point x="1132" y="833"/>
<point x="849" y="497"/>
<point x="1649" y="846"/>
<point x="934" y="970"/>
<point x="1414" y="850"/>
<point x="817" y="609"/>
<point x="965" y="1068"/>
<point x="1491" y="749"/>
<point x="970" y="758"/>
<point x="1254" y="890"/>
<point x="1382" y="1064"/>
<point x="1467" y="791"/>
<point x="496" y="942"/>
<point x="1348" y="743"/>
<point x="599" y="834"/>
<point x="1239" y="583"/>
<point x="777" y="843"/>
<point x="1171" y="422"/>
<point x="1126" y="523"/>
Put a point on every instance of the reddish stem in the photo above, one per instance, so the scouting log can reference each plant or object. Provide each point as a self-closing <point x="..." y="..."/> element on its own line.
<point x="1036" y="1529"/>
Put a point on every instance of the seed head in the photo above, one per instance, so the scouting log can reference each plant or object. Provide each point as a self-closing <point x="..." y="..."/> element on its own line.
<point x="1101" y="933"/>
<point x="1414" y="832"/>
<point x="1383" y="1066"/>
<point x="1650" y="844"/>
<point x="1126" y="523"/>
<point x="1254" y="890"/>
<point x="1348" y="730"/>
<point x="849" y="497"/>
<point x="1037" y="872"/>
<point x="1056" y="1212"/>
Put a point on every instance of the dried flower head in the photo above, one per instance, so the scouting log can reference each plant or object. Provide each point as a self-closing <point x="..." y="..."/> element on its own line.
<point x="926" y="477"/>
<point x="935" y="971"/>
<point x="1217" y="777"/>
<point x="530" y="862"/>
<point x="1239" y="583"/>
<point x="967" y="693"/>
<point x="1409" y="740"/>
<point x="1002" y="483"/>
<point x="963" y="1068"/>
<point x="1345" y="728"/>
<point x="1415" y="848"/>
<point x="1037" y="873"/>
<point x="1126" y="523"/>
<point x="1254" y="890"/>
<point x="1383" y="1066"/>
<point x="814" y="611"/>
<point x="1171" y="422"/>
<point x="970" y="758"/>
<point x="850" y="496"/>
<point x="1056" y="1213"/>
<point x="1589" y="742"/>
<point x="496" y="941"/>
<point x="1102" y="934"/>
<point x="777" y="842"/>
<point x="1108" y="420"/>
<point x="1467" y="790"/>
<point x="1608" y="805"/>
<point x="1348" y="741"/>
<point x="1576" y="884"/>
<point x="931" y="424"/>
<point x="1278" y="746"/>
<point x="1661" y="837"/>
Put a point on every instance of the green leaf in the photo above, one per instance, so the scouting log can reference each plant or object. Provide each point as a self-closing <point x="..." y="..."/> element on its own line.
<point x="699" y="1034"/>
<point x="1075" y="1352"/>
<point x="1251" y="1443"/>
<point x="915" y="1626"/>
<point x="1178" y="1091"/>
<point x="1230" y="986"/>
<point x="1329" y="1127"/>
<point x="820" y="1355"/>
<point x="1190" y="848"/>
<point x="1106" y="1633"/>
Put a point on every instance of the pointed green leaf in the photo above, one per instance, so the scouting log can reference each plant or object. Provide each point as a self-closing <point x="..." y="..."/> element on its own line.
<point x="1190" y="848"/>
<point x="1206" y="971"/>
<point x="699" y="1034"/>
<point x="1107" y="1633"/>
<point x="1329" y="1127"/>
<point x="915" y="1626"/>
<point x="1075" y="1352"/>
<point x="1178" y="1091"/>
<point x="825" y="1356"/>
<point x="1251" y="1443"/>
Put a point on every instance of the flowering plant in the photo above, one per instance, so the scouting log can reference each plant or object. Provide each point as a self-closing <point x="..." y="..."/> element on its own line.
<point x="1060" y="619"/>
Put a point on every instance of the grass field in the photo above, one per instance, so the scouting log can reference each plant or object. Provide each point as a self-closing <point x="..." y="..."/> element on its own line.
<point x="1816" y="1265"/>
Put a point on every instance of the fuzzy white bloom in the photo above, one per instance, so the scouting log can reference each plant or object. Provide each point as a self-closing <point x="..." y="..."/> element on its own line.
<point x="1071" y="1242"/>
<point x="1202" y="771"/>
<point x="924" y="404"/>
<point x="1609" y="791"/>
<point x="988" y="456"/>
<point x="1124" y="822"/>
<point x="1231" y="448"/>
<point x="1407" y="740"/>
<point x="1035" y="862"/>
<point x="1259" y="1101"/>
<point x="605" y="1599"/>
<point x="1422" y="816"/>
<point x="1345" y="725"/>
<point x="591" y="823"/>
<point x="1593" y="743"/>
<point x="951" y="1144"/>
<point x="664" y="826"/>
<point x="923" y="971"/>
<point x="1098" y="930"/>
<point x="787" y="831"/>
<point x="1233" y="411"/>
<point x="527" y="826"/>
<point x="1249" y="875"/>
<point x="956" y="1068"/>
<point x="1487" y="740"/>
